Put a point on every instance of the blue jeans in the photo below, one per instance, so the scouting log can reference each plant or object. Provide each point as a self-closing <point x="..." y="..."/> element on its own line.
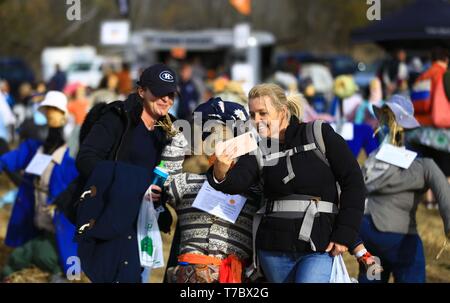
<point x="288" y="267"/>
<point x="400" y="254"/>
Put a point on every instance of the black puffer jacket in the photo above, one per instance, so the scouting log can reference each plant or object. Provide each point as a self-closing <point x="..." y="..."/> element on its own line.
<point x="106" y="135"/>
<point x="110" y="138"/>
<point x="312" y="177"/>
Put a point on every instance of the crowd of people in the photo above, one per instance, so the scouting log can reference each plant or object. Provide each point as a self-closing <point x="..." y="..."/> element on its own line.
<point x="83" y="161"/>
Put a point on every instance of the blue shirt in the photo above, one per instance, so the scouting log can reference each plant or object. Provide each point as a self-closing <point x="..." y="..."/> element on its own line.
<point x="362" y="139"/>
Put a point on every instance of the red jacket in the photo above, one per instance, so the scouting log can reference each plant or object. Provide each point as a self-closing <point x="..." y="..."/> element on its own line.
<point x="423" y="110"/>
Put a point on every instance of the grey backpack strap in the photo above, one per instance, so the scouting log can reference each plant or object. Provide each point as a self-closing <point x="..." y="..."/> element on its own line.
<point x="253" y="272"/>
<point x="317" y="127"/>
<point x="260" y="162"/>
<point x="314" y="135"/>
<point x="317" y="132"/>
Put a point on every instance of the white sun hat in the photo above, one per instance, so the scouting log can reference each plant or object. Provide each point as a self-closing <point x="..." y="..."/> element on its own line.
<point x="54" y="99"/>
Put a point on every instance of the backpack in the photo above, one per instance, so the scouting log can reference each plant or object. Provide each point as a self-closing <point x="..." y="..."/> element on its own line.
<point x="446" y="80"/>
<point x="94" y="114"/>
<point x="313" y="135"/>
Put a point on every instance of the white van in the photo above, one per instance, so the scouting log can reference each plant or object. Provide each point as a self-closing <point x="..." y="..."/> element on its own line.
<point x="88" y="73"/>
<point x="64" y="56"/>
<point x="81" y="64"/>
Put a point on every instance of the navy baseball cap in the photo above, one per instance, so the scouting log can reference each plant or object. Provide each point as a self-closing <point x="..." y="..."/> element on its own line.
<point x="221" y="111"/>
<point x="160" y="79"/>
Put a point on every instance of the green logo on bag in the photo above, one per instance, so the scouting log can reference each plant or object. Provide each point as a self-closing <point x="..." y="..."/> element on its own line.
<point x="147" y="246"/>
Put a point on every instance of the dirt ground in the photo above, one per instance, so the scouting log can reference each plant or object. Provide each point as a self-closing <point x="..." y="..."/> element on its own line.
<point x="429" y="221"/>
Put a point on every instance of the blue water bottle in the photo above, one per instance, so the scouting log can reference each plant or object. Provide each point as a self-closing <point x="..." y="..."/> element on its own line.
<point x="160" y="178"/>
<point x="161" y="175"/>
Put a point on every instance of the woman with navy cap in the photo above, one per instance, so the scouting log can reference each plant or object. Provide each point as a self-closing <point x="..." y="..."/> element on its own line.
<point x="129" y="138"/>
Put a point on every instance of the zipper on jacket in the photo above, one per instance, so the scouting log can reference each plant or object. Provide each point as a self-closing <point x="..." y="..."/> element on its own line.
<point x="123" y="135"/>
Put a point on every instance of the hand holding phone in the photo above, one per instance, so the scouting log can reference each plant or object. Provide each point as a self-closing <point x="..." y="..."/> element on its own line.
<point x="238" y="146"/>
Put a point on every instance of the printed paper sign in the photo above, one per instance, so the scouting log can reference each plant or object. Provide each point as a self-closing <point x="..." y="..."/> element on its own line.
<point x="216" y="203"/>
<point x="38" y="164"/>
<point x="397" y="156"/>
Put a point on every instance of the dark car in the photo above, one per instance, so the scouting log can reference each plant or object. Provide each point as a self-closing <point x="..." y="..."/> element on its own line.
<point x="291" y="61"/>
<point x="15" y="71"/>
<point x="366" y="73"/>
<point x="341" y="64"/>
<point x="338" y="64"/>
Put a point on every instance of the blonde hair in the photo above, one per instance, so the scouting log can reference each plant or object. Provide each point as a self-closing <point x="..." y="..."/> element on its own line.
<point x="292" y="102"/>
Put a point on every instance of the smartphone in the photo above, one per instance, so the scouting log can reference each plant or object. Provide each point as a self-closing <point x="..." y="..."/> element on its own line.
<point x="238" y="146"/>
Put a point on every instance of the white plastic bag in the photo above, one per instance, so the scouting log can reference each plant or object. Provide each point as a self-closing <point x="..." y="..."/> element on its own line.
<point x="339" y="272"/>
<point x="149" y="236"/>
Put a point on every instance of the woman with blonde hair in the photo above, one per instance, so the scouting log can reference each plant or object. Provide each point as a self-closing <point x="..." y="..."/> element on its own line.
<point x="301" y="226"/>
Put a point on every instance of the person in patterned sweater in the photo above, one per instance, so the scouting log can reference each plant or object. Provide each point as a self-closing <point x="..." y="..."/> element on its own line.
<point x="211" y="249"/>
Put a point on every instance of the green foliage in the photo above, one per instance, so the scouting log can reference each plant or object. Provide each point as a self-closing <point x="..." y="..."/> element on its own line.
<point x="28" y="26"/>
